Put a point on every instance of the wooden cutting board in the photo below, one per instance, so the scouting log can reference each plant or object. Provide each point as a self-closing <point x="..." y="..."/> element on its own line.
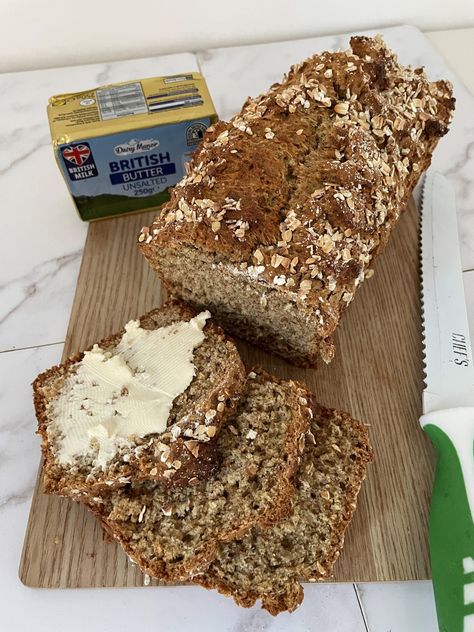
<point x="376" y="375"/>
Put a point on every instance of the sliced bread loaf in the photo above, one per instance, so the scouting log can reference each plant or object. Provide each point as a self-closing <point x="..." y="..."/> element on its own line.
<point x="269" y="565"/>
<point x="286" y="206"/>
<point x="145" y="403"/>
<point x="174" y="532"/>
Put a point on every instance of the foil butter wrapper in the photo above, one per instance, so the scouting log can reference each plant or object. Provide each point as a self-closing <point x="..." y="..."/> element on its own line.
<point x="122" y="147"/>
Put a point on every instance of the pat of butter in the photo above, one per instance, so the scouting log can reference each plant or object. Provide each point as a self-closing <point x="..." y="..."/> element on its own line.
<point x="120" y="395"/>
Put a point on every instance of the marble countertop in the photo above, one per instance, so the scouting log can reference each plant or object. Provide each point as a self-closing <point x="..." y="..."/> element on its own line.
<point x="40" y="251"/>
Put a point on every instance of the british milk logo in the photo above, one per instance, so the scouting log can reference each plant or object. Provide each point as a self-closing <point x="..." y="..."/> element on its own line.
<point x="79" y="161"/>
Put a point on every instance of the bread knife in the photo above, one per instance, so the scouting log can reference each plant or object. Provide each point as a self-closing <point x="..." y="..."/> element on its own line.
<point x="448" y="407"/>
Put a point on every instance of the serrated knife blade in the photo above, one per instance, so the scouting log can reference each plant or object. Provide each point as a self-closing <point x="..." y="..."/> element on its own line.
<point x="448" y="356"/>
<point x="448" y="406"/>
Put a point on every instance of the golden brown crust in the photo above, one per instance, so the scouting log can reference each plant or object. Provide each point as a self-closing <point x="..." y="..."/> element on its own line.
<point x="301" y="189"/>
<point x="197" y="459"/>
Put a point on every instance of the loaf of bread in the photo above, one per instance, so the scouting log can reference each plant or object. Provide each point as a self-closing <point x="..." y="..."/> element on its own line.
<point x="81" y="420"/>
<point x="269" y="565"/>
<point x="174" y="532"/>
<point x="286" y="206"/>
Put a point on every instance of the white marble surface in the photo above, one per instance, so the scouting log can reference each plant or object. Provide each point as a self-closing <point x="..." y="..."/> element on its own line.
<point x="40" y="248"/>
<point x="399" y="607"/>
<point x="42" y="237"/>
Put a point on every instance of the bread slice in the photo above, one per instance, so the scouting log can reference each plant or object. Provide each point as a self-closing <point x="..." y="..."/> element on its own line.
<point x="195" y="417"/>
<point x="172" y="532"/>
<point x="270" y="565"/>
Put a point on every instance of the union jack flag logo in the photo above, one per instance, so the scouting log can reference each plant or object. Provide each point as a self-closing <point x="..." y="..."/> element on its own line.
<point x="77" y="154"/>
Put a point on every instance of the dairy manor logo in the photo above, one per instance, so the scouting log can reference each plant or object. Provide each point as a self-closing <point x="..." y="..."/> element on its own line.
<point x="136" y="146"/>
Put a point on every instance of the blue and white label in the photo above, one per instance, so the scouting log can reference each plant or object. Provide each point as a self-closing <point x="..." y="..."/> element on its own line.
<point x="141" y="168"/>
<point x="131" y="164"/>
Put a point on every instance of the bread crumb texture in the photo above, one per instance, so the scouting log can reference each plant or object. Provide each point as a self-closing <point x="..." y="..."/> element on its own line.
<point x="269" y="565"/>
<point x="173" y="533"/>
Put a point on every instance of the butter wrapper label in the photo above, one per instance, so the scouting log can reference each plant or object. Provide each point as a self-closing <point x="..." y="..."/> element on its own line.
<point x="125" y="172"/>
<point x="122" y="147"/>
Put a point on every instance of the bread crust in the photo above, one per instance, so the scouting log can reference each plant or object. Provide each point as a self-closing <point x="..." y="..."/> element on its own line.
<point x="300" y="191"/>
<point x="196" y="464"/>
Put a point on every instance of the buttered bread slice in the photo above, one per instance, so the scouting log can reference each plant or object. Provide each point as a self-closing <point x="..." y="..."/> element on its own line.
<point x="146" y="403"/>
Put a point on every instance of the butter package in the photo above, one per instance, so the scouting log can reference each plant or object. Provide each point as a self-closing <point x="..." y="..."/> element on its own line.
<point x="121" y="147"/>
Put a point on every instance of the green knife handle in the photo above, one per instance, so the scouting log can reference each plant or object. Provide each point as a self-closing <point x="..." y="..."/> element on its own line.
<point x="451" y="517"/>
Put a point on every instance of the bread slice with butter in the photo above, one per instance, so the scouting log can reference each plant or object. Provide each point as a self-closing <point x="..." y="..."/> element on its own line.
<point x="174" y="532"/>
<point x="269" y="565"/>
<point x="145" y="403"/>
